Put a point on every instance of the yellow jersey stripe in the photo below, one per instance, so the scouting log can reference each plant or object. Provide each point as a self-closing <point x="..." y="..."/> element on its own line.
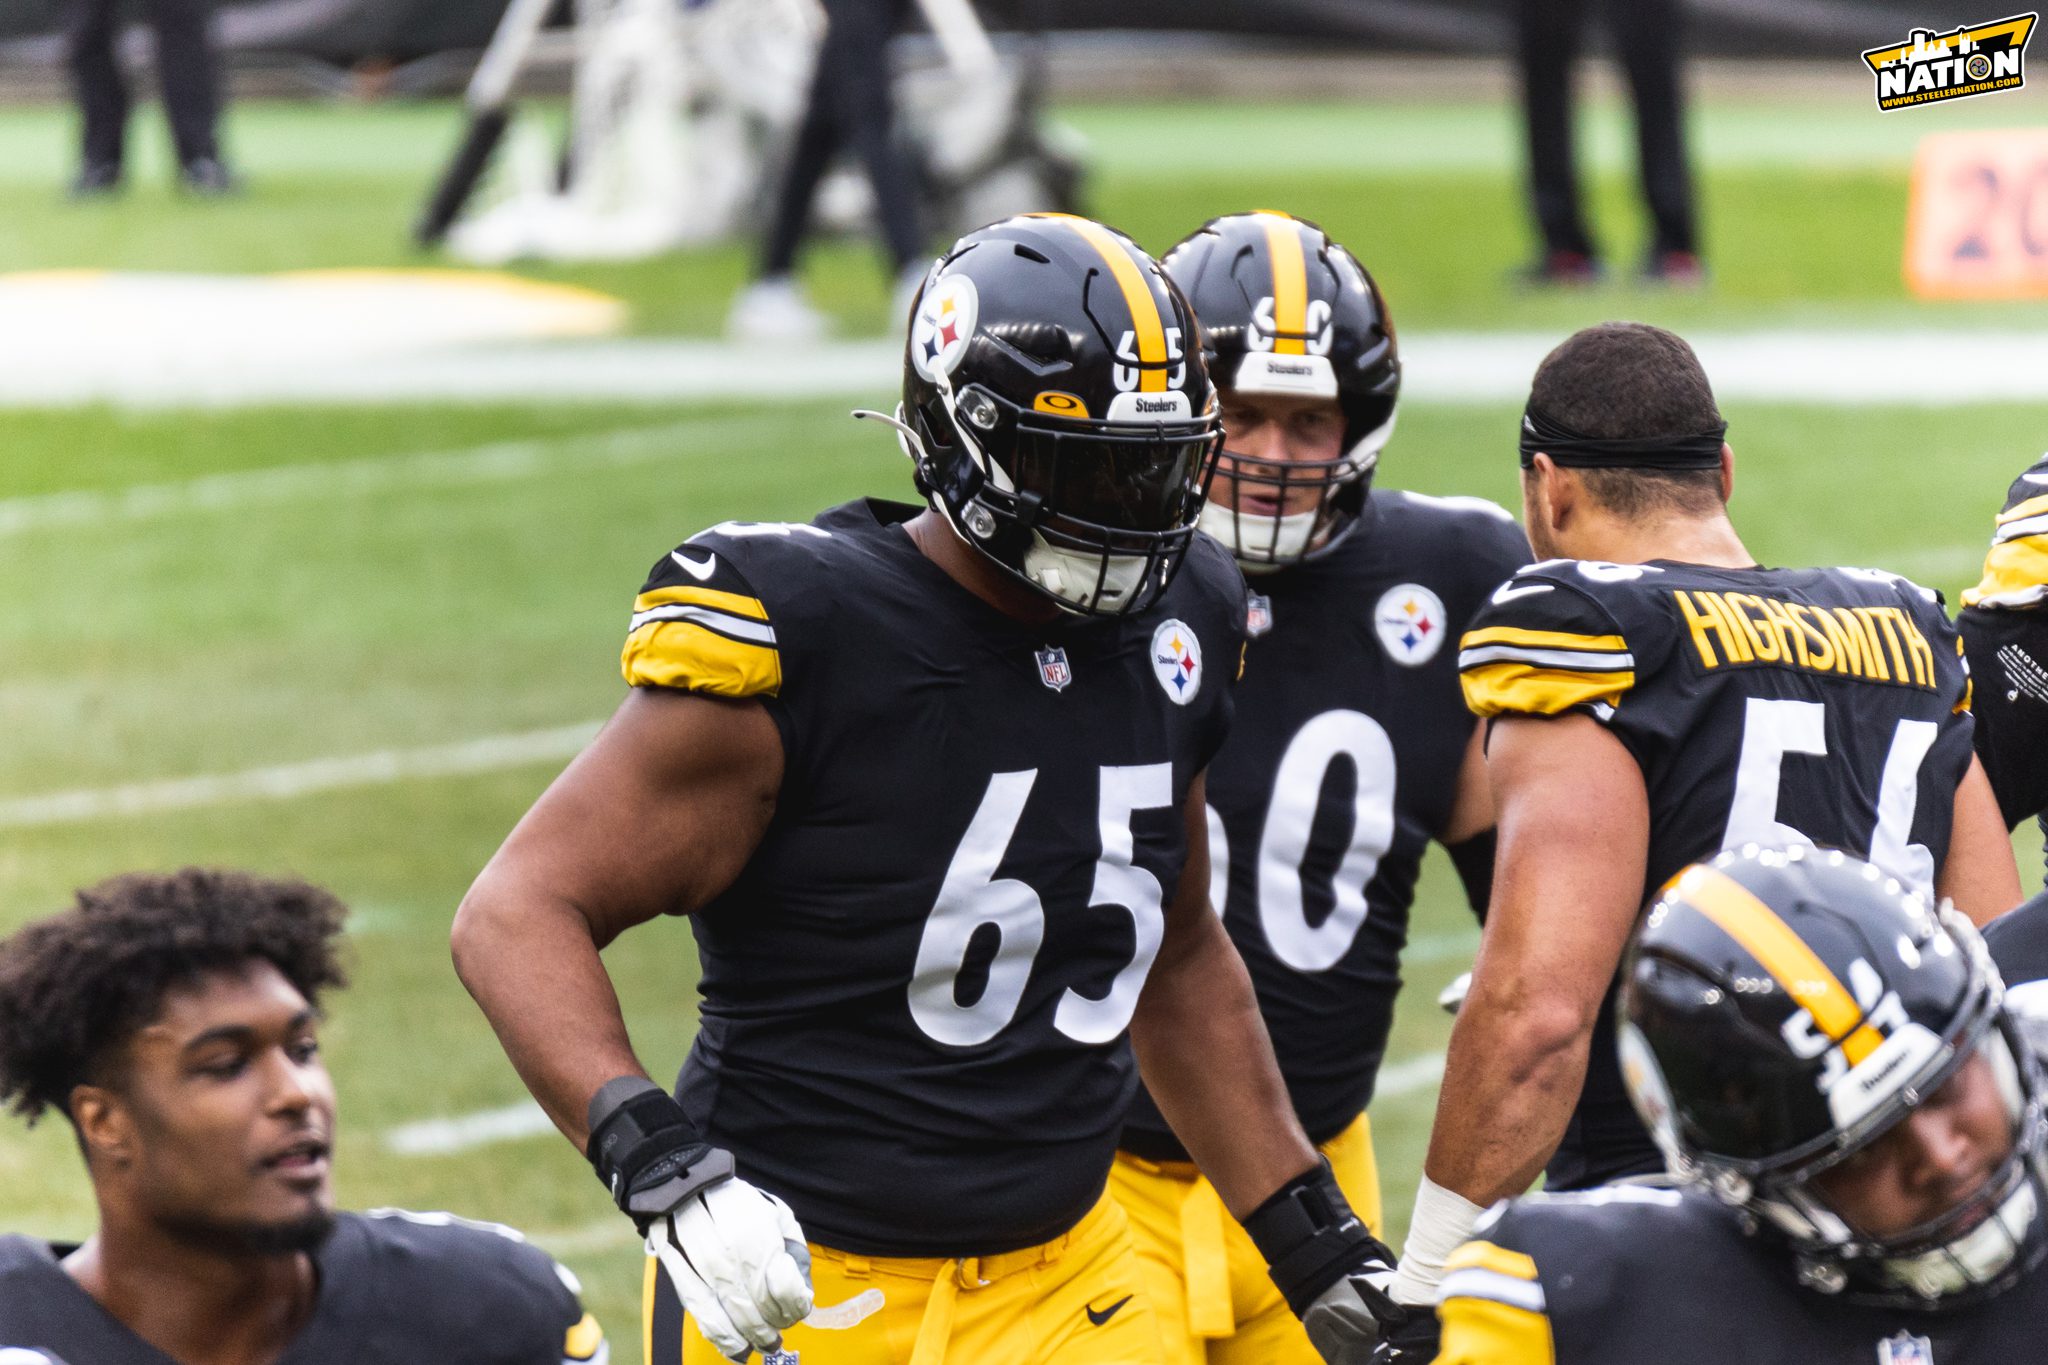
<point x="647" y="1285"/>
<point x="1146" y="326"/>
<point x="2015" y="574"/>
<point x="693" y="658"/>
<point x="1539" y="639"/>
<point x="1484" y="1332"/>
<point x="2032" y="507"/>
<point x="1796" y="967"/>
<point x="736" y="603"/>
<point x="1508" y="688"/>
<point x="1290" y="284"/>
<point x="1485" y="1255"/>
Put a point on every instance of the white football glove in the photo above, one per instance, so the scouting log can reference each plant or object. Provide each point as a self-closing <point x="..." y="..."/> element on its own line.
<point x="738" y="1261"/>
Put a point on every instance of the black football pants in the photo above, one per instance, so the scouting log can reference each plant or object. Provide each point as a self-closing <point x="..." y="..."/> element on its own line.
<point x="849" y="106"/>
<point x="185" y="67"/>
<point x="1648" y="35"/>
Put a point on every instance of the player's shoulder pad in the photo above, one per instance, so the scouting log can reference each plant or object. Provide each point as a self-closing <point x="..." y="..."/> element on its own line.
<point x="474" y="1290"/>
<point x="1479" y="541"/>
<point x="701" y="623"/>
<point x="1211" y="591"/>
<point x="2016" y="567"/>
<point x="1549" y="640"/>
<point x="2018" y="941"/>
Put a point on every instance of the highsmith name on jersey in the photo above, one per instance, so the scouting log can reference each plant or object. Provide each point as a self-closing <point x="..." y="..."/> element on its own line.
<point x="1766" y="706"/>
<point x="1632" y="1276"/>
<point x="915" y="994"/>
<point x="396" y="1288"/>
<point x="1342" y="766"/>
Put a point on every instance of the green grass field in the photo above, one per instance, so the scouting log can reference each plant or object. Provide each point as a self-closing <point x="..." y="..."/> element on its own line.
<point x="180" y="632"/>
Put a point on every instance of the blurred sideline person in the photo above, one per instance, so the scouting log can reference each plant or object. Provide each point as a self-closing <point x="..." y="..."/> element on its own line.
<point x="2004" y="625"/>
<point x="1654" y="696"/>
<point x="1351" y="749"/>
<point x="1648" y="35"/>
<point x="174" y="1020"/>
<point x="849" y="106"/>
<point x="928" y="782"/>
<point x="1855" y="1118"/>
<point x="188" y="73"/>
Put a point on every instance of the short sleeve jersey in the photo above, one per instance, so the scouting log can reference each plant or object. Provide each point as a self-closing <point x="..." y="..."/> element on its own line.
<point x="2004" y="624"/>
<point x="915" y="995"/>
<point x="1626" y="1275"/>
<point x="1342" y="765"/>
<point x="396" y="1288"/>
<point x="1768" y="706"/>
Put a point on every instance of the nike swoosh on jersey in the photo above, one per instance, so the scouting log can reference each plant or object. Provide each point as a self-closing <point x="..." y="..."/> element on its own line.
<point x="1508" y="592"/>
<point x="701" y="572"/>
<point x="1106" y="1314"/>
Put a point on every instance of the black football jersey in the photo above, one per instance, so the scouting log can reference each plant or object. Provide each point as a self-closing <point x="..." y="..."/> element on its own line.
<point x="396" y="1288"/>
<point x="1767" y="706"/>
<point x="1342" y="765"/>
<point x="1630" y="1276"/>
<point x="2004" y="624"/>
<point x="916" y="993"/>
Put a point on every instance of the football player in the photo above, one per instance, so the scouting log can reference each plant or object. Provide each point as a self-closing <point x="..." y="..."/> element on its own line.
<point x="1352" y="746"/>
<point x="928" y="784"/>
<point x="2004" y="624"/>
<point x="175" y="1021"/>
<point x="1655" y="695"/>
<point x="1854" y="1116"/>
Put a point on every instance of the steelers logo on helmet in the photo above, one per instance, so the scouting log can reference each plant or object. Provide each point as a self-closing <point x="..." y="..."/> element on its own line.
<point x="944" y="324"/>
<point x="1177" y="661"/>
<point x="1410" y="621"/>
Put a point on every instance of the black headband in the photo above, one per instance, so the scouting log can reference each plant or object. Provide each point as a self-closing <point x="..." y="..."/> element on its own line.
<point x="1566" y="447"/>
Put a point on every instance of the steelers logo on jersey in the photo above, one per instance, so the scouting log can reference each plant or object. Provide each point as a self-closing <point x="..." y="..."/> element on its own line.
<point x="943" y="326"/>
<point x="1411" y="623"/>
<point x="1177" y="661"/>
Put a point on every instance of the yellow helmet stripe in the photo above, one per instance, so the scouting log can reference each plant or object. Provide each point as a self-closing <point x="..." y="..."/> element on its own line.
<point x="1290" y="283"/>
<point x="1148" y="329"/>
<point x="1746" y="919"/>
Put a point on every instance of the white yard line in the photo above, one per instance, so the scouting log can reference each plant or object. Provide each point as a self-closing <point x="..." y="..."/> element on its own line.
<point x="465" y="1132"/>
<point x="1409" y="1076"/>
<point x="492" y="753"/>
<point x="495" y="462"/>
<point x="1848" y="366"/>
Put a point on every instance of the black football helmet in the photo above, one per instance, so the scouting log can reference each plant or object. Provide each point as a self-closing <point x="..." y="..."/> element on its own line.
<point x="1781" y="1010"/>
<point x="1287" y="312"/>
<point x="1058" y="411"/>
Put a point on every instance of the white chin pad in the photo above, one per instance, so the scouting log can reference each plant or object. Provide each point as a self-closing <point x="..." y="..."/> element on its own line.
<point x="1279" y="539"/>
<point x="1070" y="576"/>
<point x="1975" y="1257"/>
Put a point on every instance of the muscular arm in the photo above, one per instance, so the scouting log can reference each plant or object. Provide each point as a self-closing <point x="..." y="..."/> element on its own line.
<point x="1202" y="1047"/>
<point x="657" y="816"/>
<point x="1574" y="827"/>
<point x="1979" y="874"/>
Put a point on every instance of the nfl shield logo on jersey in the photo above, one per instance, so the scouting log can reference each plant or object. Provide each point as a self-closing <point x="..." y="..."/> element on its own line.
<point x="1258" y="615"/>
<point x="1410" y="621"/>
<point x="1905" y="1350"/>
<point x="1177" y="661"/>
<point x="1052" y="668"/>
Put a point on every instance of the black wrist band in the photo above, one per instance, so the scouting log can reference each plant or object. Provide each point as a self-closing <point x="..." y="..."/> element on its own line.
<point x="1309" y="1236"/>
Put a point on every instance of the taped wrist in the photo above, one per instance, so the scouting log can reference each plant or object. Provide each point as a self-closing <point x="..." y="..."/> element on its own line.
<point x="647" y="1152"/>
<point x="1310" y="1237"/>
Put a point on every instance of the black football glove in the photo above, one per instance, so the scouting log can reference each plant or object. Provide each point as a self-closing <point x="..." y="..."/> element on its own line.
<point x="734" y="1253"/>
<point x="1416" y="1340"/>
<point x="1332" y="1271"/>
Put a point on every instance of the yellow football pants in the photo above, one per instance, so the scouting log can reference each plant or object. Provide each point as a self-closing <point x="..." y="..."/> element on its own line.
<point x="1208" y="1284"/>
<point x="1077" y="1300"/>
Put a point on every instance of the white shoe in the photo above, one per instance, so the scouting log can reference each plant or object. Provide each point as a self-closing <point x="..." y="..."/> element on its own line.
<point x="774" y="310"/>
